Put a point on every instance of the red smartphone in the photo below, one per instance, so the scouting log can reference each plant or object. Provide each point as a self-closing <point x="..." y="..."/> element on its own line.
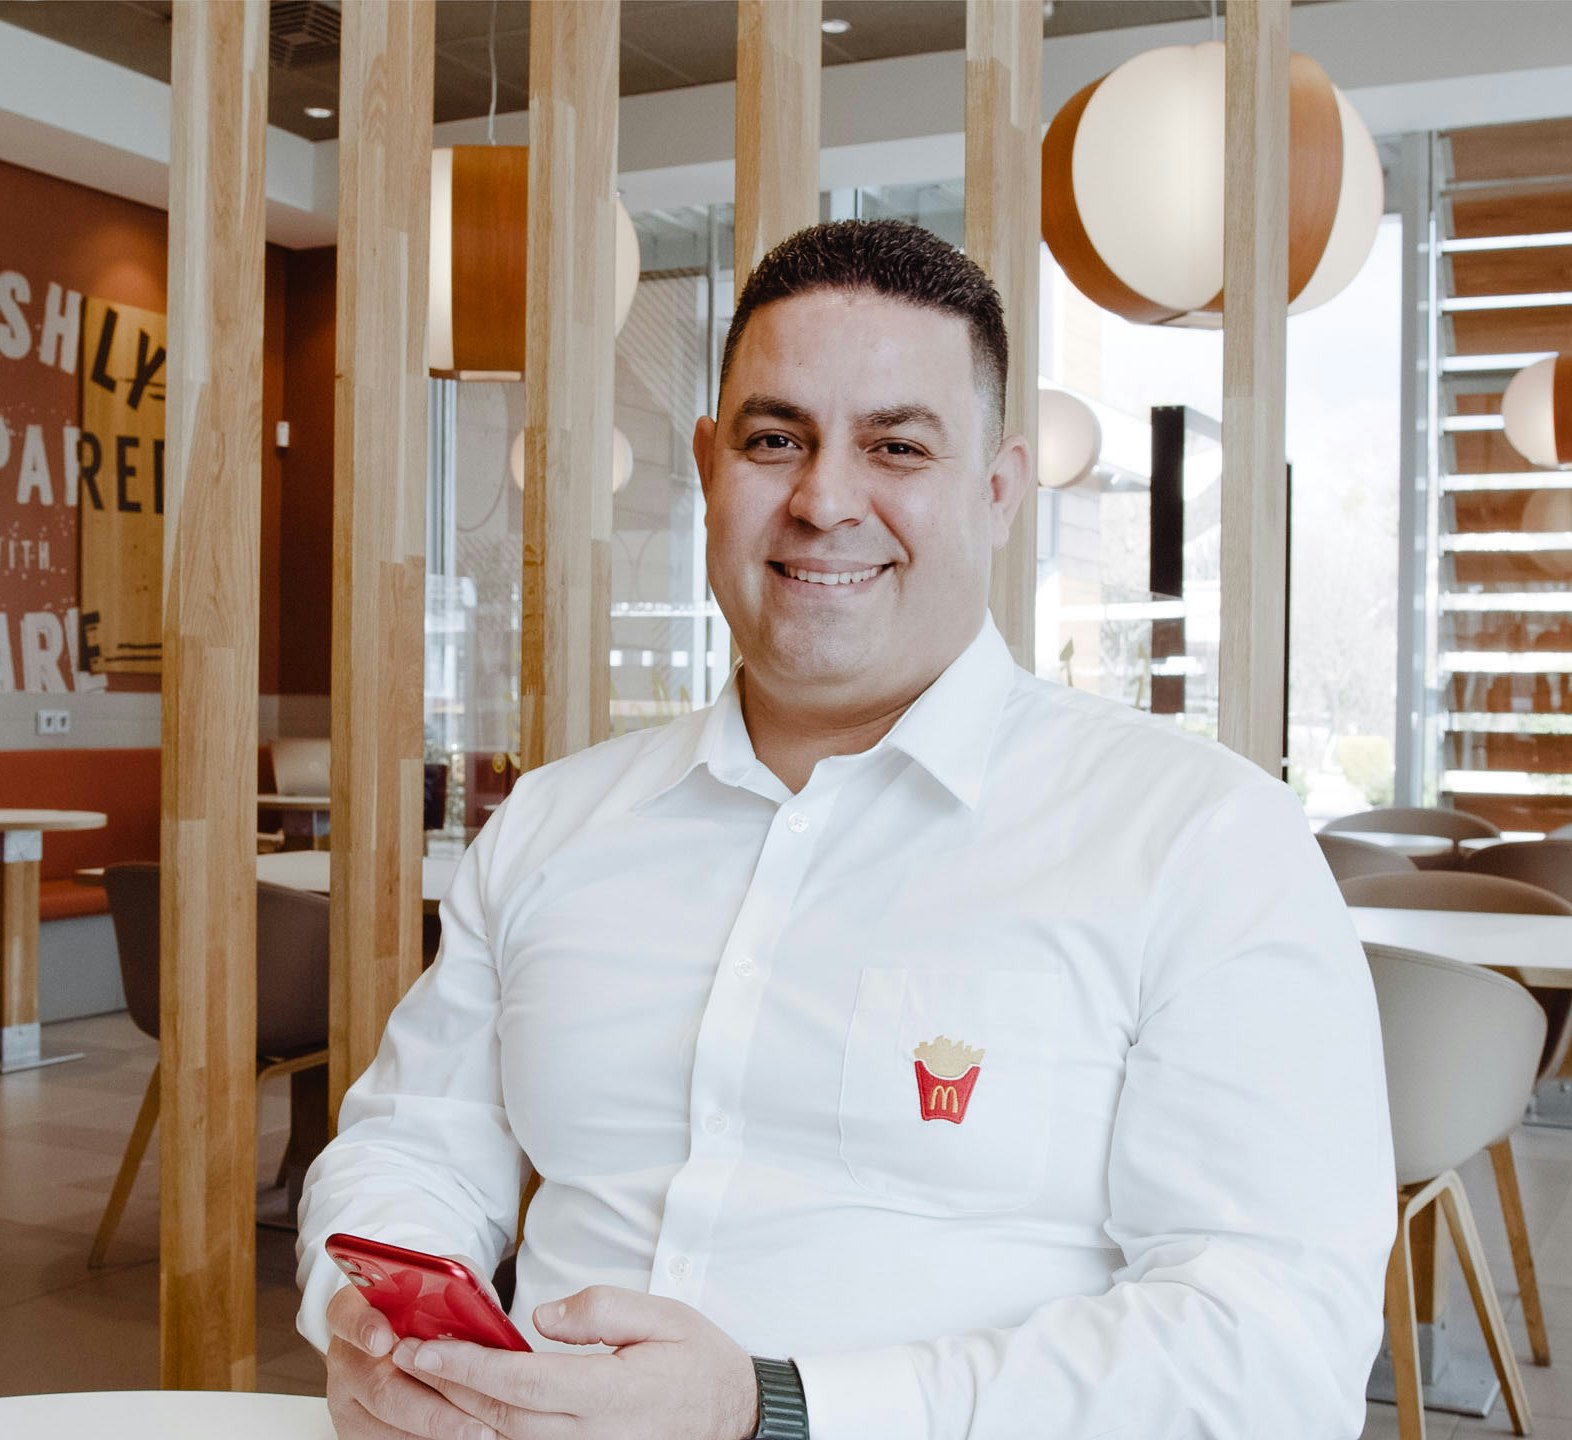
<point x="425" y="1297"/>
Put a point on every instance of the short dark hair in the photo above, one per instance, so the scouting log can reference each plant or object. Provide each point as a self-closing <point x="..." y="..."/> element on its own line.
<point x="888" y="257"/>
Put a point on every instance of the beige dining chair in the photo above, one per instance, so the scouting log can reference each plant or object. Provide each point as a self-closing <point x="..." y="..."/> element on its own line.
<point x="1546" y="863"/>
<point x="1347" y="857"/>
<point x="1454" y="825"/>
<point x="1459" y="1042"/>
<point x="1464" y="890"/>
<point x="292" y="998"/>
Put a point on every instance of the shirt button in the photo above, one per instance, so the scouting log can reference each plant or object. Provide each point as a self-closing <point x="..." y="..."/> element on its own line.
<point x="678" y="1266"/>
<point x="716" y="1124"/>
<point x="745" y="967"/>
<point x="797" y="823"/>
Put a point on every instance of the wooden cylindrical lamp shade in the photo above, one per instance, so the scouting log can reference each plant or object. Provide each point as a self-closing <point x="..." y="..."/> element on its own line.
<point x="1537" y="411"/>
<point x="1132" y="196"/>
<point x="479" y="230"/>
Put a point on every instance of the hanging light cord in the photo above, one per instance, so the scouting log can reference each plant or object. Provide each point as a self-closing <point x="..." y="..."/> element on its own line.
<point x="494" y="63"/>
<point x="491" y="46"/>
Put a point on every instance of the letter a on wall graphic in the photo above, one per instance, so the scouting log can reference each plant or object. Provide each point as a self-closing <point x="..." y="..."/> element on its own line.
<point x="122" y="512"/>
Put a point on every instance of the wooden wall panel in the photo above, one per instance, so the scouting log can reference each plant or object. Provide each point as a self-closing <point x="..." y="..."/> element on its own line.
<point x="379" y="521"/>
<point x="1533" y="271"/>
<point x="1511" y="213"/>
<point x="1509" y="332"/>
<point x="565" y="677"/>
<point x="778" y="49"/>
<point x="207" y="1130"/>
<point x="1255" y="286"/>
<point x="1485" y="452"/>
<point x="1512" y="152"/>
<point x="1004" y="47"/>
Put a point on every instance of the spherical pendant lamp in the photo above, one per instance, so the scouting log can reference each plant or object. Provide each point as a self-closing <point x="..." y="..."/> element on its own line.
<point x="479" y="235"/>
<point x="1069" y="440"/>
<point x="1132" y="194"/>
<point x="621" y="460"/>
<point x="1537" y="411"/>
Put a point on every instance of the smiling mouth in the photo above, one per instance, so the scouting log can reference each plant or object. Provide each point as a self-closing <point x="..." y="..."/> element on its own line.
<point x="828" y="580"/>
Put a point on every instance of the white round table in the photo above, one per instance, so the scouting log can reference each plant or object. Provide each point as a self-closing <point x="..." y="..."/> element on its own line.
<point x="164" y="1415"/>
<point x="22" y="835"/>
<point x="1416" y="847"/>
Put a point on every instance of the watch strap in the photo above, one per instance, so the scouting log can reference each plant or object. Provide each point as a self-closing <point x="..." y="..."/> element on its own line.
<point x="783" y="1408"/>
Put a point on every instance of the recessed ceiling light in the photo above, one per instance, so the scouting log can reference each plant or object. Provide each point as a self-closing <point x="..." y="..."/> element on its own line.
<point x="318" y="112"/>
<point x="835" y="27"/>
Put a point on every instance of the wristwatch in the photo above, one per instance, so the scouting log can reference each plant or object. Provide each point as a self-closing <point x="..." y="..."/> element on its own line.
<point x="783" y="1409"/>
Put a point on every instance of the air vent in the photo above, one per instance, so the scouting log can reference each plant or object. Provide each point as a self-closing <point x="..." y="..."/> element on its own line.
<point x="302" y="33"/>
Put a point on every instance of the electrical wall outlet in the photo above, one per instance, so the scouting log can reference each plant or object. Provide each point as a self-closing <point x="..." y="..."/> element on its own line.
<point x="54" y="722"/>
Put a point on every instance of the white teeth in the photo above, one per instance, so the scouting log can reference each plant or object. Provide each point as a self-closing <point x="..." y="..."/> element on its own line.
<point x="815" y="577"/>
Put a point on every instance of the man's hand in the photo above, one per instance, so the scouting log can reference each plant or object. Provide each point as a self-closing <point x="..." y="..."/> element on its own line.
<point x="368" y="1396"/>
<point x="672" y="1375"/>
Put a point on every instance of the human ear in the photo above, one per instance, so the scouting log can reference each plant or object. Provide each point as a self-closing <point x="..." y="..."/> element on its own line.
<point x="1007" y="482"/>
<point x="704" y="451"/>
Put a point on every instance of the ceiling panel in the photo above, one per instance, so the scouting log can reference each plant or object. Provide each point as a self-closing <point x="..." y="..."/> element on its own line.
<point x="666" y="44"/>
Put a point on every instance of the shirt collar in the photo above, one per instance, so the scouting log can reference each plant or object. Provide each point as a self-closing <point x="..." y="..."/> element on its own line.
<point x="948" y="729"/>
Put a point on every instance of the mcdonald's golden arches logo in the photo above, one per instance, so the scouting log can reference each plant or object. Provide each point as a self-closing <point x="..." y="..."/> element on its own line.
<point x="947" y="1072"/>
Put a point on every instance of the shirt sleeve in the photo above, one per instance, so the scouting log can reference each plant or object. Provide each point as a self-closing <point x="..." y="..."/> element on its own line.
<point x="424" y="1155"/>
<point x="1250" y="1189"/>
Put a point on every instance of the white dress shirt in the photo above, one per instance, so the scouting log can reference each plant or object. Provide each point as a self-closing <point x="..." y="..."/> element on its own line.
<point x="693" y="1000"/>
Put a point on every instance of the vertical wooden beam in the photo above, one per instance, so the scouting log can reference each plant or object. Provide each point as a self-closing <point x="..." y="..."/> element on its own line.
<point x="565" y="679"/>
<point x="1255" y="319"/>
<point x="1004" y="58"/>
<point x="207" y="850"/>
<point x="778" y="48"/>
<point x="379" y="521"/>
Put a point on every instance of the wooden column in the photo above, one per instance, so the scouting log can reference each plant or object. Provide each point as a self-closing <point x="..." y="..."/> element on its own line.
<point x="212" y="530"/>
<point x="1255" y="311"/>
<point x="565" y="676"/>
<point x="1004" y="49"/>
<point x="379" y="521"/>
<point x="778" y="47"/>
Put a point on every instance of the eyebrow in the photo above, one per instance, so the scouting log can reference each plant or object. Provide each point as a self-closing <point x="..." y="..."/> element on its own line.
<point x="775" y="407"/>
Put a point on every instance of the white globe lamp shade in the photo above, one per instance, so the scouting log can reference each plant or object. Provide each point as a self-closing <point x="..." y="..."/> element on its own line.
<point x="1537" y="412"/>
<point x="479" y="230"/>
<point x="621" y="461"/>
<point x="516" y="459"/>
<point x="1132" y="195"/>
<point x="627" y="266"/>
<point x="1550" y="511"/>
<point x="1069" y="440"/>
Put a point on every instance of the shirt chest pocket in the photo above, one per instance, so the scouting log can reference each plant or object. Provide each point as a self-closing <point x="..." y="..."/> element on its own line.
<point x="945" y="1087"/>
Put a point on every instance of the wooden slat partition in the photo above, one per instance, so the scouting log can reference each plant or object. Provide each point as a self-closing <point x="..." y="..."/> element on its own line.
<point x="565" y="675"/>
<point x="379" y="521"/>
<point x="1004" y="46"/>
<point x="212" y="524"/>
<point x="1532" y="271"/>
<point x="1514" y="151"/>
<point x="778" y="68"/>
<point x="1255" y="289"/>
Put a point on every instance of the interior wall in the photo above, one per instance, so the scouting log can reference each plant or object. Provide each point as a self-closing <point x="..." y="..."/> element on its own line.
<point x="59" y="239"/>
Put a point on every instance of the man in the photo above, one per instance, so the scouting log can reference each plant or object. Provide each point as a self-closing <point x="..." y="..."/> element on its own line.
<point x="1001" y="1056"/>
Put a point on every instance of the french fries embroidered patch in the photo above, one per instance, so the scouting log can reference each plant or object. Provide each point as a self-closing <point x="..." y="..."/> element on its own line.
<point x="947" y="1073"/>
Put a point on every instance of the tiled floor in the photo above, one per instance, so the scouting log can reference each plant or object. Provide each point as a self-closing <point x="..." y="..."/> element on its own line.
<point x="64" y="1327"/>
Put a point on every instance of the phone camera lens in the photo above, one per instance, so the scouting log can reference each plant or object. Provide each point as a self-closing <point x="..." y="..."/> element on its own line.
<point x="359" y="1281"/>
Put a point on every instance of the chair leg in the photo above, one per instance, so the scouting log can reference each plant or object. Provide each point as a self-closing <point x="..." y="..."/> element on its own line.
<point x="1471" y="1254"/>
<point x="1522" y="1255"/>
<point x="1403" y="1333"/>
<point x="130" y="1163"/>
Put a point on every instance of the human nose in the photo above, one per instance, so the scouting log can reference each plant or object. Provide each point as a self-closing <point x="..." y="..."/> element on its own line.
<point x="828" y="492"/>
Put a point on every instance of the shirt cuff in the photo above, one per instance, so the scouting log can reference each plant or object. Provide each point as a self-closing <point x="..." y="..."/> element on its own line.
<point x="862" y="1395"/>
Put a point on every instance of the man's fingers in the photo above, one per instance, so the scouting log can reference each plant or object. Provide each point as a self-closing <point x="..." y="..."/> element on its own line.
<point x="493" y="1385"/>
<point x="350" y="1318"/>
<point x="609" y="1315"/>
<point x="409" y="1408"/>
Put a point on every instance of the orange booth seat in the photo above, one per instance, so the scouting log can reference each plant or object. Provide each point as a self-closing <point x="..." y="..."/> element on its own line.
<point x="124" y="784"/>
